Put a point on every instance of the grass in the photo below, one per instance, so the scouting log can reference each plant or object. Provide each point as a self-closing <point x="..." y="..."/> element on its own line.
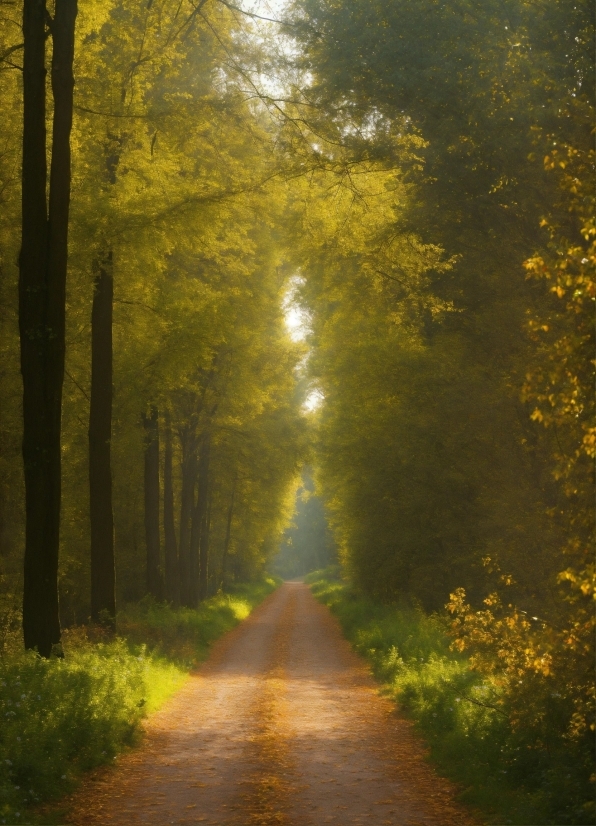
<point x="184" y="636"/>
<point x="500" y="771"/>
<point x="62" y="717"/>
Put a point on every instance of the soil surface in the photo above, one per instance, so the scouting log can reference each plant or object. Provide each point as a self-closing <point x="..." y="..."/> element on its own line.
<point x="282" y="725"/>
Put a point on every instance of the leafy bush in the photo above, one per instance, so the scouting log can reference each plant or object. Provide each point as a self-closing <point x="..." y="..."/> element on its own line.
<point x="464" y="716"/>
<point x="61" y="717"/>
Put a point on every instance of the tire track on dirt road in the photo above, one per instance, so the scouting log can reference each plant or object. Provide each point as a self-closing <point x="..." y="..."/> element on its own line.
<point x="282" y="726"/>
<point x="270" y="784"/>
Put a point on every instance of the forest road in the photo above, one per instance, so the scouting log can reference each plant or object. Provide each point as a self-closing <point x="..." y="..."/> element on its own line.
<point x="282" y="725"/>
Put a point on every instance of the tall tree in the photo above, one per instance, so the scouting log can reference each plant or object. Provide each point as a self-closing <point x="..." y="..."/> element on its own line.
<point x="101" y="517"/>
<point x="42" y="289"/>
<point x="228" y="535"/>
<point x="103" y="571"/>
<point x="204" y="515"/>
<point x="189" y="220"/>
<point x="152" y="497"/>
<point x="188" y="466"/>
<point x="481" y="92"/>
<point x="172" y="573"/>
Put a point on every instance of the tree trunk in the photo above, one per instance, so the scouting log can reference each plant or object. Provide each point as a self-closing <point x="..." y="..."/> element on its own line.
<point x="171" y="550"/>
<point x="103" y="566"/>
<point x="226" y="547"/>
<point x="103" y="573"/>
<point x="204" y="589"/>
<point x="199" y="534"/>
<point x="152" y="539"/>
<point x="195" y="541"/>
<point x="42" y="291"/>
<point x="203" y="517"/>
<point x="189" y="477"/>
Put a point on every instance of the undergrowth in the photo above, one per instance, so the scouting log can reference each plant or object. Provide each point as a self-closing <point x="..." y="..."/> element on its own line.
<point x="63" y="716"/>
<point x="185" y="635"/>
<point x="500" y="770"/>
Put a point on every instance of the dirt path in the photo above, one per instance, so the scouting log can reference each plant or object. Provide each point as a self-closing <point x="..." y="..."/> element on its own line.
<point x="283" y="726"/>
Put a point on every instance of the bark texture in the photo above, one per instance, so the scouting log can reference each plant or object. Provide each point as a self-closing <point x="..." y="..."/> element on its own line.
<point x="42" y="290"/>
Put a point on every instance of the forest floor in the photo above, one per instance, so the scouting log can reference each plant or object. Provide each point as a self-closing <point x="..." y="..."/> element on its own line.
<point x="282" y="725"/>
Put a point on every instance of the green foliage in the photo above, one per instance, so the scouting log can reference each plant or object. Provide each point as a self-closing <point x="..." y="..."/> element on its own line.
<point x="175" y="177"/>
<point x="63" y="716"/>
<point x="456" y="439"/>
<point x="467" y="719"/>
<point x="430" y="459"/>
<point x="447" y="272"/>
<point x="532" y="662"/>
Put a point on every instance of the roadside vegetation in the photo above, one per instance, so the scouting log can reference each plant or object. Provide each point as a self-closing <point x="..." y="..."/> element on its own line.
<point x="62" y="716"/>
<point x="503" y="765"/>
<point x="413" y="179"/>
<point x="451" y="306"/>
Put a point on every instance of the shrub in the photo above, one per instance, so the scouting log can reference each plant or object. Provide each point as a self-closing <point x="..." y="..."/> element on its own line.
<point x="63" y="716"/>
<point x="464" y="715"/>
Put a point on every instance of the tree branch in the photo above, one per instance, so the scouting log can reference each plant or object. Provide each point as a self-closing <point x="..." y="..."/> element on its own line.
<point x="75" y="382"/>
<point x="10" y="51"/>
<point x="484" y="705"/>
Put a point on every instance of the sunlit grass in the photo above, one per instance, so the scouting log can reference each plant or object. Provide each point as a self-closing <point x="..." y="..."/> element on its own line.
<point x="185" y="635"/>
<point x="498" y="769"/>
<point x="62" y="717"/>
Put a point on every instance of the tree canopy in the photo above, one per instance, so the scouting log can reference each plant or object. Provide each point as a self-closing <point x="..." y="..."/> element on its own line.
<point x="419" y="177"/>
